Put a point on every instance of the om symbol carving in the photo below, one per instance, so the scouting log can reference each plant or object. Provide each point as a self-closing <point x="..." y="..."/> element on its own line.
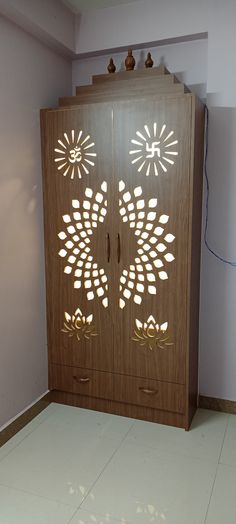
<point x="75" y="155"/>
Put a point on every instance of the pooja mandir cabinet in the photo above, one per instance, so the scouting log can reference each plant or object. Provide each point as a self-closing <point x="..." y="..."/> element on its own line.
<point x="122" y="176"/>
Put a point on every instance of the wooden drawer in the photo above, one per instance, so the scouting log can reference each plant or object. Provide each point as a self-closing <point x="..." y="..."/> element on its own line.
<point x="81" y="381"/>
<point x="149" y="393"/>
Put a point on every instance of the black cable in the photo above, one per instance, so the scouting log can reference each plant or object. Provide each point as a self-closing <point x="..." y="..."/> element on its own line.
<point x="208" y="194"/>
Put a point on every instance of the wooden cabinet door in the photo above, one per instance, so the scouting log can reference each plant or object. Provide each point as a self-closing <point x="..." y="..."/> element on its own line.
<point x="77" y="158"/>
<point x="151" y="171"/>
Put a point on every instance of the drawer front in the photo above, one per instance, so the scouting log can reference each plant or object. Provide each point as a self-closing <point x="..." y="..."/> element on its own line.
<point x="149" y="393"/>
<point x="81" y="381"/>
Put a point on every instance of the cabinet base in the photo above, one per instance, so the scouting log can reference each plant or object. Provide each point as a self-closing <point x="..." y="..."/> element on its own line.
<point x="118" y="408"/>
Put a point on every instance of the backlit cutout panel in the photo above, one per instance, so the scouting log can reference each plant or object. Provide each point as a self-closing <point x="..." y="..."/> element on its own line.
<point x="153" y="241"/>
<point x="154" y="149"/>
<point x="85" y="216"/>
<point x="151" y="335"/>
<point x="79" y="326"/>
<point x="74" y="154"/>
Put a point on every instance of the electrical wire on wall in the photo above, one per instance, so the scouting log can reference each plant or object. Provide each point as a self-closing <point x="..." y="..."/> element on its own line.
<point x="225" y="261"/>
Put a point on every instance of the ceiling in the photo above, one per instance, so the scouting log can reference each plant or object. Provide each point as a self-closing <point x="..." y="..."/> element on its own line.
<point x="79" y="6"/>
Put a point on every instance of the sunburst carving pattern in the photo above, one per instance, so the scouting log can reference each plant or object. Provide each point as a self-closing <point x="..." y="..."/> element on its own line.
<point x="153" y="150"/>
<point x="83" y="219"/>
<point x="152" y="335"/>
<point x="152" y="241"/>
<point x="74" y="154"/>
<point x="79" y="326"/>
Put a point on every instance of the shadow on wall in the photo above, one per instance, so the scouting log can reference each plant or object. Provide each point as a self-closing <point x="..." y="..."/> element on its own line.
<point x="218" y="280"/>
<point x="198" y="89"/>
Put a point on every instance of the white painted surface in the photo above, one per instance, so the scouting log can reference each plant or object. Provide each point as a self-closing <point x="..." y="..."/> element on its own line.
<point x="31" y="77"/>
<point x="23" y="410"/>
<point x="49" y="20"/>
<point x="187" y="60"/>
<point x="140" y="22"/>
<point x="79" y="6"/>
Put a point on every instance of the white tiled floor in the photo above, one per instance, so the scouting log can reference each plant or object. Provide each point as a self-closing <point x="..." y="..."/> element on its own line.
<point x="71" y="465"/>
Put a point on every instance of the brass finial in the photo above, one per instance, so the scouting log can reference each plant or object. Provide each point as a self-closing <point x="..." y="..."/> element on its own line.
<point x="129" y="61"/>
<point x="149" y="61"/>
<point x="111" y="66"/>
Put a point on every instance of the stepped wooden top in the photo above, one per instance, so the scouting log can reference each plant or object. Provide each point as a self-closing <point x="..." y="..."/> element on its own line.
<point x="125" y="84"/>
<point x="135" y="73"/>
<point x="135" y="84"/>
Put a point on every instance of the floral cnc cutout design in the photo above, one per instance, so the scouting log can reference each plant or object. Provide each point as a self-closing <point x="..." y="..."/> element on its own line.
<point x="74" y="154"/>
<point x="80" y="224"/>
<point x="152" y="241"/>
<point x="151" y="335"/>
<point x="79" y="326"/>
<point x="153" y="149"/>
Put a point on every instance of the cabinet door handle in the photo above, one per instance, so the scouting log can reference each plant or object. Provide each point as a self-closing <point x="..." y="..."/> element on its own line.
<point x="118" y="248"/>
<point x="108" y="248"/>
<point x="148" y="391"/>
<point x="82" y="379"/>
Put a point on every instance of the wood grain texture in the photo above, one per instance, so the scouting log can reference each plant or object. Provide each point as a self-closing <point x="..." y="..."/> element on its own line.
<point x="172" y="192"/>
<point x="112" y="372"/>
<point x="217" y="404"/>
<point x="150" y="393"/>
<point x="117" y="387"/>
<point x="194" y="255"/>
<point x="24" y="419"/>
<point x="118" y="94"/>
<point x="124" y="85"/>
<point x="124" y="75"/>
<point x="59" y="191"/>
<point x="81" y="381"/>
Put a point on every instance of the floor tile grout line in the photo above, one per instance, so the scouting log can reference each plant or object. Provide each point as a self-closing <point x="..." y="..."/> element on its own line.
<point x="105" y="466"/>
<point x="24" y="438"/>
<point x="71" y="518"/>
<point x="37" y="495"/>
<point x="100" y="515"/>
<point x="217" y="466"/>
<point x="172" y="452"/>
<point x="50" y="499"/>
<point x="226" y="429"/>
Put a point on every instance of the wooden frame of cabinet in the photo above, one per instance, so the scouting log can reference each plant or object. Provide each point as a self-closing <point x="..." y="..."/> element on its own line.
<point x="110" y="371"/>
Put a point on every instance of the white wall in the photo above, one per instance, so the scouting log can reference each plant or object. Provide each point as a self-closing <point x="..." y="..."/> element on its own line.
<point x="49" y="20"/>
<point x="144" y="21"/>
<point x="31" y="77"/>
<point x="166" y="19"/>
<point x="188" y="60"/>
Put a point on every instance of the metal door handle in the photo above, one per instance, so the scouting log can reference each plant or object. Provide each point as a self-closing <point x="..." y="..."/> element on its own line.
<point x="118" y="248"/>
<point x="82" y="379"/>
<point x="149" y="391"/>
<point x="108" y="248"/>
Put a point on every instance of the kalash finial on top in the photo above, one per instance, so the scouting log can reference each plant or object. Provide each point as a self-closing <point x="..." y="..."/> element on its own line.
<point x="129" y="61"/>
<point x="149" y="61"/>
<point x="111" y="66"/>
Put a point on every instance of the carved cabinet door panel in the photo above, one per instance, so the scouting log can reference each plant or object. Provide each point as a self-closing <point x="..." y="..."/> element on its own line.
<point x="77" y="157"/>
<point x="151" y="173"/>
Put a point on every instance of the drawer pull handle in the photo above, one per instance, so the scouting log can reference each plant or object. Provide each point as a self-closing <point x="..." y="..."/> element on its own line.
<point x="82" y="379"/>
<point x="149" y="391"/>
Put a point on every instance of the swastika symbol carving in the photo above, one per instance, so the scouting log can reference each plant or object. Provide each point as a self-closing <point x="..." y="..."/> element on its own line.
<point x="153" y="149"/>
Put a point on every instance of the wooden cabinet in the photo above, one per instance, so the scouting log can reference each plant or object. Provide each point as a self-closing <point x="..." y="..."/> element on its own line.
<point x="122" y="171"/>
